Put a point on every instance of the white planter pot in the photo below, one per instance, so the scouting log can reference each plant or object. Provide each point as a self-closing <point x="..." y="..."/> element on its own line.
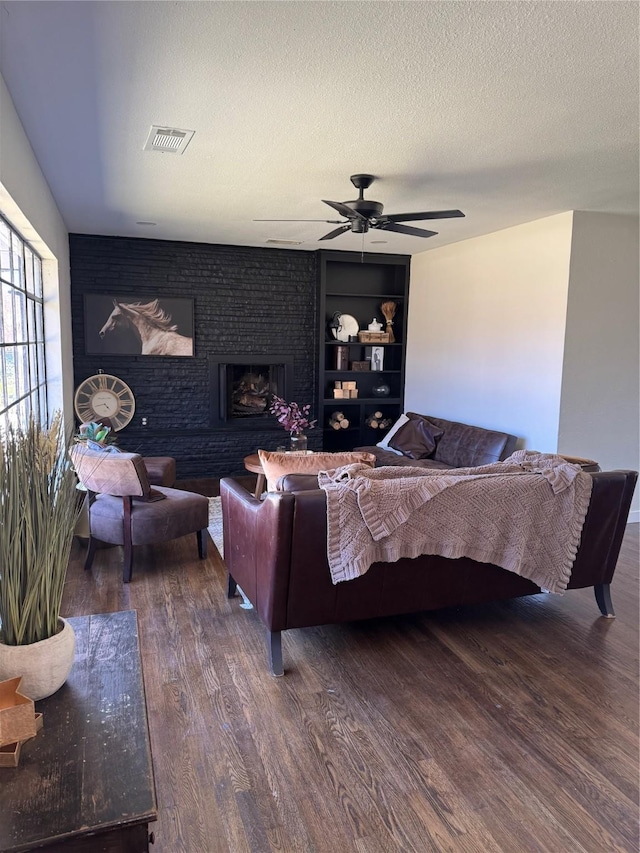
<point x="44" y="666"/>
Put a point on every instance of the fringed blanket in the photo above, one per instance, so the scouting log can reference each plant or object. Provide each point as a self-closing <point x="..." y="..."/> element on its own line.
<point x="524" y="514"/>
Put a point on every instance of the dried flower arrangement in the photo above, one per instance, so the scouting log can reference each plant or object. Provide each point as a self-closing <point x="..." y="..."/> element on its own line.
<point x="389" y="311"/>
<point x="293" y="417"/>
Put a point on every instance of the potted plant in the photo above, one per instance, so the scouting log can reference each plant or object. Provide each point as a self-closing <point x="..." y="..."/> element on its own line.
<point x="38" y="511"/>
<point x="94" y="433"/>
<point x="295" y="419"/>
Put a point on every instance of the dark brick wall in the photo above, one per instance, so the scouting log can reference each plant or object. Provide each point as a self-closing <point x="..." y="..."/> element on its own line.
<point x="248" y="301"/>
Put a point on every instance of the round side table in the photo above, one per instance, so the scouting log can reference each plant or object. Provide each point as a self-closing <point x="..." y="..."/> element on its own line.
<point x="252" y="464"/>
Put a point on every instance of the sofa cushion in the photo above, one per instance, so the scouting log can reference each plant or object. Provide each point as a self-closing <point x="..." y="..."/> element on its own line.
<point x="275" y="464"/>
<point x="390" y="457"/>
<point x="384" y="444"/>
<point x="417" y="439"/>
<point x="178" y="514"/>
<point x="466" y="446"/>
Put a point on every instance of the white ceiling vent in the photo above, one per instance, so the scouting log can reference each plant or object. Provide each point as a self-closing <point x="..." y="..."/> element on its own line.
<point x="168" y="140"/>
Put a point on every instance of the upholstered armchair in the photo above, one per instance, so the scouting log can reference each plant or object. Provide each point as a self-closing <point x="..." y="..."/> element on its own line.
<point x="125" y="510"/>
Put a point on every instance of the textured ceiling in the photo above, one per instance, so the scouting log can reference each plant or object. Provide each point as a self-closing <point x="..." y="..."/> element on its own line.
<point x="510" y="111"/>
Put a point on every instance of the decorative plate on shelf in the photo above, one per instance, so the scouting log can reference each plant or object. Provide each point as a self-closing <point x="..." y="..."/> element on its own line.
<point x="347" y="326"/>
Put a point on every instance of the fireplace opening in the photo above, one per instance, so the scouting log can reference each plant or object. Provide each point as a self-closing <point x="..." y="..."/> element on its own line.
<point x="242" y="388"/>
<point x="251" y="388"/>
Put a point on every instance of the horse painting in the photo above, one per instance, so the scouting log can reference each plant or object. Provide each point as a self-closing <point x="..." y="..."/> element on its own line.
<point x="151" y="323"/>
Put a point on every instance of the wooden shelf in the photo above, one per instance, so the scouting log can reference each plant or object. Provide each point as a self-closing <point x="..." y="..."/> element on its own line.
<point x="360" y="372"/>
<point x="330" y="401"/>
<point x="353" y="285"/>
<point x="361" y="344"/>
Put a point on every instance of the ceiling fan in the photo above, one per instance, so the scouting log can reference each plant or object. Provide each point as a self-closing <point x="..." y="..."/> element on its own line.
<point x="361" y="214"/>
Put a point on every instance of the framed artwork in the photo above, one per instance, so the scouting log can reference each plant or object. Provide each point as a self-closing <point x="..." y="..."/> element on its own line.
<point x="377" y="358"/>
<point x="130" y="325"/>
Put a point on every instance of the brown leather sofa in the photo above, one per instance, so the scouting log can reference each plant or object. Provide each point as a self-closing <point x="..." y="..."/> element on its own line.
<point x="461" y="445"/>
<point x="458" y="445"/>
<point x="275" y="550"/>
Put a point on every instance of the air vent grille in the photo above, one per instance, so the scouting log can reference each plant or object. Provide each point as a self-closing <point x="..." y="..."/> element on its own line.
<point x="168" y="140"/>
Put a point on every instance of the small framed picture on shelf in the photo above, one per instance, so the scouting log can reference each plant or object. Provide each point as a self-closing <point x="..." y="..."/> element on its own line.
<point x="377" y="358"/>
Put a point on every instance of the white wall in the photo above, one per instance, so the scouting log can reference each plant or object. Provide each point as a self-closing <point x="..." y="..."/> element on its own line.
<point x="26" y="201"/>
<point x="534" y="330"/>
<point x="600" y="407"/>
<point x="486" y="330"/>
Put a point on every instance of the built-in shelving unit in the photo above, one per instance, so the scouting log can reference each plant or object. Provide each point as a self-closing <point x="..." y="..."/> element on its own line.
<point x="357" y="285"/>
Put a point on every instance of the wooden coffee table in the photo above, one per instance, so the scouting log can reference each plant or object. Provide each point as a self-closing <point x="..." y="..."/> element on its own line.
<point x="252" y="463"/>
<point x="85" y="782"/>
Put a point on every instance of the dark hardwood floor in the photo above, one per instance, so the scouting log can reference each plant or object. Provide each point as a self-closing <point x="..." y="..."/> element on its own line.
<point x="510" y="727"/>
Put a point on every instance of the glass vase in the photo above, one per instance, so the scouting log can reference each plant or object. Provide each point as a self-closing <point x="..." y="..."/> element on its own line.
<point x="298" y="442"/>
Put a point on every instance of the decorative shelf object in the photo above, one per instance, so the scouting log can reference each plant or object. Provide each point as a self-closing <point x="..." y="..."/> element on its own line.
<point x="17" y="712"/>
<point x="338" y="421"/>
<point x="377" y="420"/>
<point x="10" y="752"/>
<point x="18" y="721"/>
<point x="373" y="337"/>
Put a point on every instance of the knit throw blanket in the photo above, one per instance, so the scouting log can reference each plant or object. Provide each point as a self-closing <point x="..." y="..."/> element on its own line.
<point x="524" y="514"/>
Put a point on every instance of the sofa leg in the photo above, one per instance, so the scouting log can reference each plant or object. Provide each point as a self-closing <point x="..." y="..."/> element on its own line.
<point x="231" y="587"/>
<point x="202" y="543"/>
<point x="274" y="641"/>
<point x="603" y="597"/>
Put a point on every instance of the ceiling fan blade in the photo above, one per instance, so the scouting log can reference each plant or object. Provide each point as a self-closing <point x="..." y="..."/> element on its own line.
<point x="405" y="229"/>
<point x="426" y="214"/>
<point x="336" y="232"/>
<point x="343" y="210"/>
<point x="328" y="221"/>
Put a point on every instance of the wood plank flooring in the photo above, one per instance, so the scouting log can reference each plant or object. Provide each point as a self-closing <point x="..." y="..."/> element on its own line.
<point x="509" y="727"/>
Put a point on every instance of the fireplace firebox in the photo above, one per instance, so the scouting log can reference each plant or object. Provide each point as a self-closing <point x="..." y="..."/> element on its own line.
<point x="242" y="388"/>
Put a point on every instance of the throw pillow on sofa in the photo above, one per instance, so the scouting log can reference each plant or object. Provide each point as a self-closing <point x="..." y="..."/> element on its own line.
<point x="384" y="444"/>
<point x="416" y="439"/>
<point x="275" y="464"/>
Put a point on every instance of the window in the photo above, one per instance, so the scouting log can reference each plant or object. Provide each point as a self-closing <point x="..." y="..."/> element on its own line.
<point x="23" y="388"/>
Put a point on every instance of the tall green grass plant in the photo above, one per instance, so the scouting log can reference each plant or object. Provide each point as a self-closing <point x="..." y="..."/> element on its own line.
<point x="39" y="508"/>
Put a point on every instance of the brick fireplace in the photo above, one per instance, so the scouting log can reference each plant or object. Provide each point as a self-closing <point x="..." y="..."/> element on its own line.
<point x="253" y="307"/>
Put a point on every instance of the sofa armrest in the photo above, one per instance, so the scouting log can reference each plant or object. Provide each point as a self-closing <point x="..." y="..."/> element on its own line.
<point x="603" y="529"/>
<point x="257" y="548"/>
<point x="298" y="483"/>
